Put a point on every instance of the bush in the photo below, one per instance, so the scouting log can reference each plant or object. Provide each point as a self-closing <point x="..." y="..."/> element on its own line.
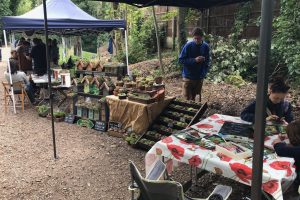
<point x="230" y="59"/>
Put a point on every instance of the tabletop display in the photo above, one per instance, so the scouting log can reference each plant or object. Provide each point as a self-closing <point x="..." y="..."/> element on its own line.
<point x="201" y="148"/>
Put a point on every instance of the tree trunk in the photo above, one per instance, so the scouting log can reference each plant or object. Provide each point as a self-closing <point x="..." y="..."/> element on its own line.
<point x="181" y="32"/>
<point x="118" y="35"/>
<point x="158" y="41"/>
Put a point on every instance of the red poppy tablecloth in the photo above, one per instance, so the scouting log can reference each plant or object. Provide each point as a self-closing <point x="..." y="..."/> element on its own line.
<point x="278" y="172"/>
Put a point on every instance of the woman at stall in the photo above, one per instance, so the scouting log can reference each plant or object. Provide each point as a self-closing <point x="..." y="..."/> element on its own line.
<point x="278" y="109"/>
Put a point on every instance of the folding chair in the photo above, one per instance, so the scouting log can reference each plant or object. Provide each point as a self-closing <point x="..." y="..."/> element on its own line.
<point x="19" y="92"/>
<point x="168" y="190"/>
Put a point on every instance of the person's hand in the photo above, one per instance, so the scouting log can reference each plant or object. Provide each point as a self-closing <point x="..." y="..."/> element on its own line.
<point x="272" y="118"/>
<point x="276" y="141"/>
<point x="199" y="59"/>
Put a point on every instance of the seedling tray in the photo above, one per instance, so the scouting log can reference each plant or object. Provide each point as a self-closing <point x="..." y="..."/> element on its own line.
<point x="185" y="104"/>
<point x="143" y="101"/>
<point x="168" y="120"/>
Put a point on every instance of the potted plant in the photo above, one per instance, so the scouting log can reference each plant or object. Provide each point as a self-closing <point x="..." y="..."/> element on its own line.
<point x="135" y="74"/>
<point x="58" y="116"/>
<point x="158" y="76"/>
<point x="43" y="110"/>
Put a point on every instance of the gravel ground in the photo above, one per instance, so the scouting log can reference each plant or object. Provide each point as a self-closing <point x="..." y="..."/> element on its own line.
<point x="91" y="165"/>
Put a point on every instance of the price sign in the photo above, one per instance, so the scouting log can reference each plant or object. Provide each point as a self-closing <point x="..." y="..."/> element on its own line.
<point x="101" y="126"/>
<point x="70" y="118"/>
<point x="182" y="119"/>
<point x="170" y="125"/>
<point x="114" y="125"/>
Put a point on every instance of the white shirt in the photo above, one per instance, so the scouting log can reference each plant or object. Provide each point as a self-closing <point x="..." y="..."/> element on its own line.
<point x="17" y="77"/>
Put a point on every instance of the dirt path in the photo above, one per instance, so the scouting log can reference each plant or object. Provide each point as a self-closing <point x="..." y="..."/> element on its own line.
<point x="91" y="165"/>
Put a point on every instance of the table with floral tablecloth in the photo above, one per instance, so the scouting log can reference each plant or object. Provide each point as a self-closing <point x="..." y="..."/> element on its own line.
<point x="278" y="172"/>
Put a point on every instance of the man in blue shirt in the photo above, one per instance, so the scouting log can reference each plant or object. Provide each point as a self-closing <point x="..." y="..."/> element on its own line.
<point x="195" y="59"/>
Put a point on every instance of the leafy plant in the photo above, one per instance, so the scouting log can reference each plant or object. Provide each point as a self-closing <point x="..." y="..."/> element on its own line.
<point x="59" y="114"/>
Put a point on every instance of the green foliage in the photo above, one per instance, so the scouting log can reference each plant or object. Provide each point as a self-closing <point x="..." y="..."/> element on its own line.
<point x="142" y="39"/>
<point x="23" y="7"/>
<point x="4" y="11"/>
<point x="241" y="20"/>
<point x="230" y="59"/>
<point x="286" y="39"/>
<point x="236" y="80"/>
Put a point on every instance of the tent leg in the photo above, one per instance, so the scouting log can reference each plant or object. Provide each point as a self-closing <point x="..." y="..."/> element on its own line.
<point x="11" y="87"/>
<point x="49" y="78"/>
<point x="9" y="71"/>
<point x="126" y="48"/>
<point x="13" y="40"/>
<point x="5" y="39"/>
<point x="261" y="97"/>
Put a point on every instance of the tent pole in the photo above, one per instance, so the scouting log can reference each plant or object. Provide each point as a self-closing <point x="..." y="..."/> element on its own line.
<point x="261" y="96"/>
<point x="10" y="78"/>
<point x="126" y="47"/>
<point x="49" y="77"/>
<point x="13" y="38"/>
<point x="5" y="39"/>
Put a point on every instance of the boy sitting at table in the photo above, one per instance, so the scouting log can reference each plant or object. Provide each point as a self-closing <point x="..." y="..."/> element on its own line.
<point x="291" y="150"/>
<point x="278" y="109"/>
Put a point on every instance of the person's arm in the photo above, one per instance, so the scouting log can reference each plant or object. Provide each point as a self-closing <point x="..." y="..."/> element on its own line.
<point x="284" y="150"/>
<point x="248" y="114"/>
<point x="183" y="57"/>
<point x="207" y="56"/>
<point x="288" y="115"/>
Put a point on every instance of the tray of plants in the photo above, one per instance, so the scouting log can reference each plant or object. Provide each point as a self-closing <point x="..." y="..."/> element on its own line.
<point x="177" y="116"/>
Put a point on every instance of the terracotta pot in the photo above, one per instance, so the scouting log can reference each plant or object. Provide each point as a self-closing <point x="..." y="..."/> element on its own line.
<point x="158" y="80"/>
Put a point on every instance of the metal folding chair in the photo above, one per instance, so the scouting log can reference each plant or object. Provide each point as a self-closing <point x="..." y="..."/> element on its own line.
<point x="166" y="189"/>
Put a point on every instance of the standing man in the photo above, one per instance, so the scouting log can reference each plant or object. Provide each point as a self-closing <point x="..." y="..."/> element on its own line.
<point x="195" y="58"/>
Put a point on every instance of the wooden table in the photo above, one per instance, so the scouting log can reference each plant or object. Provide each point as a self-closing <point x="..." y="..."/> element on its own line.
<point x="138" y="116"/>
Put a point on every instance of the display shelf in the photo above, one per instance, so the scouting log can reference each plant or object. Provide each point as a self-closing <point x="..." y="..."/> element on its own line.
<point x="171" y="120"/>
<point x="89" y="95"/>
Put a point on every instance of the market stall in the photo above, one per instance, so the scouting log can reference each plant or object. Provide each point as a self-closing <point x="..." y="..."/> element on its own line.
<point x="200" y="145"/>
<point x="63" y="18"/>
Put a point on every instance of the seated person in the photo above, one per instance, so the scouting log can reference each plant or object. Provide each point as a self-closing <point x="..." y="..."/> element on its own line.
<point x="277" y="107"/>
<point x="291" y="150"/>
<point x="19" y="76"/>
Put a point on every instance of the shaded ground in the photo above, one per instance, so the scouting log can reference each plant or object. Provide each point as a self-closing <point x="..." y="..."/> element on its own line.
<point x="91" y="165"/>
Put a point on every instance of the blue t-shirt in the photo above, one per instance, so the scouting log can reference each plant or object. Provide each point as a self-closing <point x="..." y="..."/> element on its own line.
<point x="191" y="69"/>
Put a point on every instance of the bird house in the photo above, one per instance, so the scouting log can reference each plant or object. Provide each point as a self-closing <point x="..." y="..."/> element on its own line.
<point x="65" y="79"/>
<point x="89" y="66"/>
<point x="99" y="67"/>
<point x="80" y="65"/>
<point x="86" y="84"/>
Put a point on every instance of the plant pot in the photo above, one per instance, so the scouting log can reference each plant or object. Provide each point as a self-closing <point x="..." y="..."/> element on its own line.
<point x="115" y="93"/>
<point x="158" y="80"/>
<point x="142" y="87"/>
<point x="148" y="88"/>
<point x="134" y="77"/>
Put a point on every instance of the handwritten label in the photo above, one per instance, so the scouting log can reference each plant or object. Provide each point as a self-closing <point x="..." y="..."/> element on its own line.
<point x="182" y="119"/>
<point x="114" y="125"/>
<point x="70" y="118"/>
<point x="101" y="126"/>
<point x="170" y="125"/>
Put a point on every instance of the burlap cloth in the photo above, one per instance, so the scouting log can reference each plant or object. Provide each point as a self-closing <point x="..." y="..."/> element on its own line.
<point x="138" y="116"/>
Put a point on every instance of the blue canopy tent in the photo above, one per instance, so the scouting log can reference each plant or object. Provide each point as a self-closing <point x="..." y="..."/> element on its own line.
<point x="267" y="7"/>
<point x="64" y="18"/>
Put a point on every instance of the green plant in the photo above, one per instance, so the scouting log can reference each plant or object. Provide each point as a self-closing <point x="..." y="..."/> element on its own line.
<point x="286" y="39"/>
<point x="43" y="110"/>
<point x="59" y="114"/>
<point x="157" y="73"/>
<point x="131" y="138"/>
